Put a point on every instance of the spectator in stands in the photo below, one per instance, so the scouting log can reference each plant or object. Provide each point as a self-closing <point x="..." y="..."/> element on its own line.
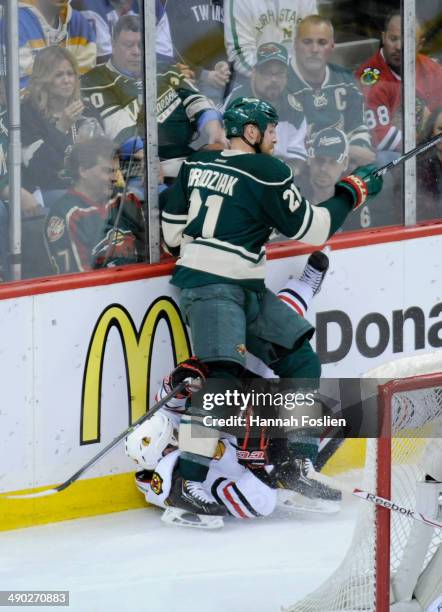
<point x="268" y="81"/>
<point x="80" y="227"/>
<point x="249" y="23"/>
<point x="429" y="172"/>
<point x="43" y="23"/>
<point x="198" y="42"/>
<point x="28" y="205"/>
<point x="115" y="89"/>
<point x="53" y="117"/>
<point x="104" y="14"/>
<point x="432" y="21"/>
<point x="380" y="79"/>
<point x="328" y="162"/>
<point x="326" y="93"/>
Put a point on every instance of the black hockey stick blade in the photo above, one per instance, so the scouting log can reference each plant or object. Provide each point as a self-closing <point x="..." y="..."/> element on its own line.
<point x="104" y="451"/>
<point x="416" y="151"/>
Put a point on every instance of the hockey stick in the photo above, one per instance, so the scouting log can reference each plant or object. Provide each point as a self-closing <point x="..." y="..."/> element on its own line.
<point x="105" y="450"/>
<point x="375" y="499"/>
<point x="416" y="151"/>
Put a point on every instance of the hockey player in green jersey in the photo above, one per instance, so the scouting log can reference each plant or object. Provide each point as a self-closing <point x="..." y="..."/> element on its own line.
<point x="219" y="214"/>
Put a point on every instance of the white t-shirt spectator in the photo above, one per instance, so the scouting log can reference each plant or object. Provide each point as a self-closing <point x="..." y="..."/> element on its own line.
<point x="250" y="23"/>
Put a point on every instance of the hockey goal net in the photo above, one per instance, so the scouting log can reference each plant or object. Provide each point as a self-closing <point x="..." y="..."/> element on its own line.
<point x="389" y="553"/>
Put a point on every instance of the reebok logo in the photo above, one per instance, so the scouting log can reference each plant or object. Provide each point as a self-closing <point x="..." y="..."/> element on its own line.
<point x="390" y="505"/>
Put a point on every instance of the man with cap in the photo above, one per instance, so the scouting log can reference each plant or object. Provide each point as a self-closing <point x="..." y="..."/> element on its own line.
<point x="115" y="89"/>
<point x="326" y="93"/>
<point x="328" y="162"/>
<point x="268" y="81"/>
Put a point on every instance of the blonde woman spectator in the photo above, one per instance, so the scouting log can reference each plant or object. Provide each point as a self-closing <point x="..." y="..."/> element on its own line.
<point x="43" y="23"/>
<point x="250" y="23"/>
<point x="53" y="117"/>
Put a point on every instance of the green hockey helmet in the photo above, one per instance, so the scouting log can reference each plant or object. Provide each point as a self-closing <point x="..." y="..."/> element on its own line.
<point x="242" y="111"/>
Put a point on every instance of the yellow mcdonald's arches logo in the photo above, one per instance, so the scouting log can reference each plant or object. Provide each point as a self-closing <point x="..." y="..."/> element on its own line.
<point x="137" y="348"/>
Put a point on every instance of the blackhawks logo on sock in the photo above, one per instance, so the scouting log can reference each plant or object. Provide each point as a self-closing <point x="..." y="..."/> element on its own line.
<point x="156" y="484"/>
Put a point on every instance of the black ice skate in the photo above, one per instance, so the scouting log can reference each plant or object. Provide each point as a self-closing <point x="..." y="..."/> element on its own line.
<point x="298" y="493"/>
<point x="315" y="270"/>
<point x="190" y="505"/>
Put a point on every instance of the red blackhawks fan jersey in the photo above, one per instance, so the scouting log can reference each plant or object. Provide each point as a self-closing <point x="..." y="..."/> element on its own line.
<point x="383" y="98"/>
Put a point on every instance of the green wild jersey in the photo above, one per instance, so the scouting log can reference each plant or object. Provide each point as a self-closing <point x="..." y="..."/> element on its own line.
<point x="337" y="102"/>
<point x="222" y="209"/>
<point x="119" y="99"/>
<point x="179" y="106"/>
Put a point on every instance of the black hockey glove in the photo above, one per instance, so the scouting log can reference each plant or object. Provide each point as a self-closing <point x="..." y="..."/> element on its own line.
<point x="193" y="372"/>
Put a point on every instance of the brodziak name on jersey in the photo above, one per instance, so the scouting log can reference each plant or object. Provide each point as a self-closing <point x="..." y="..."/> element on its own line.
<point x="212" y="179"/>
<point x="223" y="208"/>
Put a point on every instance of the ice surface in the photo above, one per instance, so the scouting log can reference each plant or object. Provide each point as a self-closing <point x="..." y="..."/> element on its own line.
<point x="130" y="561"/>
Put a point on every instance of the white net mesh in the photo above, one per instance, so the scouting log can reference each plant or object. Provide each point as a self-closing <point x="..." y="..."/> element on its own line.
<point x="417" y="425"/>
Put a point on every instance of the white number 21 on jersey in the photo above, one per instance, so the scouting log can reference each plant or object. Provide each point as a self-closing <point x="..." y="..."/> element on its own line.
<point x="293" y="196"/>
<point x="213" y="204"/>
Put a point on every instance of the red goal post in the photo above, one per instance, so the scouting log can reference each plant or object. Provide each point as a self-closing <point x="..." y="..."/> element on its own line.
<point x="389" y="554"/>
<point x="386" y="394"/>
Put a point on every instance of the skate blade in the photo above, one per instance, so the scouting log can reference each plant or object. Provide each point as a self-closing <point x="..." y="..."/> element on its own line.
<point x="183" y="518"/>
<point x="296" y="503"/>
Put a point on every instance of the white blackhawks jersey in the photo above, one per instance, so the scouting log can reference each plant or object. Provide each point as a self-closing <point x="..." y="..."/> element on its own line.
<point x="233" y="485"/>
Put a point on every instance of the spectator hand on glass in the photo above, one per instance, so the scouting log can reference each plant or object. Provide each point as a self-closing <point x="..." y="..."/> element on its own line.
<point x="186" y="70"/>
<point x="219" y="76"/>
<point x="29" y="205"/>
